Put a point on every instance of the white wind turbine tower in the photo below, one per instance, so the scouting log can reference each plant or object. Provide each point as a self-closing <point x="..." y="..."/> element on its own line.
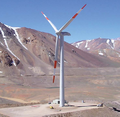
<point x="61" y="34"/>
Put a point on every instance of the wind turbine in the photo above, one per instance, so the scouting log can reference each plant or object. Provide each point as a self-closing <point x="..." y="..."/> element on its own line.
<point x="61" y="34"/>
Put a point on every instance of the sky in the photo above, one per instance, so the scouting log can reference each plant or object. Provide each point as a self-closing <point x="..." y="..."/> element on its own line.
<point x="100" y="18"/>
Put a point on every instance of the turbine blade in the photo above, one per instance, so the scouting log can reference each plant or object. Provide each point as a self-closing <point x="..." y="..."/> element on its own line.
<point x="55" y="65"/>
<point x="50" y="22"/>
<point x="56" y="48"/>
<point x="56" y="54"/>
<point x="71" y="19"/>
<point x="53" y="79"/>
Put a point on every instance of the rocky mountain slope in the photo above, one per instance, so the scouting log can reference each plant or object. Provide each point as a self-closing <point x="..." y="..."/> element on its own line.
<point x="15" y="58"/>
<point x="108" y="48"/>
<point x="26" y="68"/>
<point x="25" y="51"/>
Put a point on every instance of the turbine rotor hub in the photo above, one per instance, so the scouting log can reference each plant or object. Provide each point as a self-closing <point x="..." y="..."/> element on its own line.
<point x="63" y="33"/>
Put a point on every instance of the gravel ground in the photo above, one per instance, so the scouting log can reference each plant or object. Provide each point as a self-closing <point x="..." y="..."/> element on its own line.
<point x="100" y="112"/>
<point x="3" y="115"/>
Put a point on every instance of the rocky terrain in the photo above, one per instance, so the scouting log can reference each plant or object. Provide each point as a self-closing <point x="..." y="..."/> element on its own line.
<point x="107" y="48"/>
<point x="26" y="51"/>
<point x="101" y="112"/>
<point x="92" y="70"/>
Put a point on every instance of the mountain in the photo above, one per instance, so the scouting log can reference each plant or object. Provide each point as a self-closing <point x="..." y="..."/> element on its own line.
<point x="117" y="38"/>
<point x="25" y="51"/>
<point x="26" y="67"/>
<point x="108" y="48"/>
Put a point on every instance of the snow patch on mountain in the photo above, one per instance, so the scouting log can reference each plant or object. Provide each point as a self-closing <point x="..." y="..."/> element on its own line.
<point x="14" y="63"/>
<point x="86" y="46"/>
<point x="87" y="43"/>
<point x="16" y="34"/>
<point x="113" y="41"/>
<point x="100" y="53"/>
<point x="14" y="28"/>
<point x="77" y="44"/>
<point x="2" y="33"/>
<point x="7" y="44"/>
<point x="108" y="42"/>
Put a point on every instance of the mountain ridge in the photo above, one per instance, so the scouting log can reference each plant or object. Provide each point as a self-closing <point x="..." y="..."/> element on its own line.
<point x="25" y="51"/>
<point x="108" y="48"/>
